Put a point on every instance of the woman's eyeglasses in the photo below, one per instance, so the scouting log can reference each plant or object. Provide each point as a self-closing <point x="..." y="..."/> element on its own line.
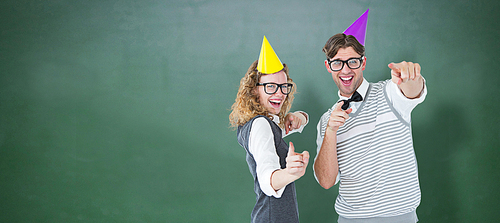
<point x="271" y="88"/>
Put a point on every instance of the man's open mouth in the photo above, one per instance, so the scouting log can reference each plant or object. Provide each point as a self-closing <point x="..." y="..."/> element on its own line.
<point x="346" y="80"/>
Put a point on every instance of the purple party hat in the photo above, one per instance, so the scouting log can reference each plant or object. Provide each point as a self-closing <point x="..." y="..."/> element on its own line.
<point x="358" y="28"/>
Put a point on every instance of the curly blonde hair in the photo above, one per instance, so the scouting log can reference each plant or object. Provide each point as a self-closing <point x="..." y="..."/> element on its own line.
<point x="247" y="104"/>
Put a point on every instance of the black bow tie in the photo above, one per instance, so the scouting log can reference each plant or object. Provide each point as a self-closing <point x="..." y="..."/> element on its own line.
<point x="355" y="97"/>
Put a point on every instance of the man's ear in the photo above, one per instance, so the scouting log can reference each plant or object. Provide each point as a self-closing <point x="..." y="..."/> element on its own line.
<point x="327" y="66"/>
<point x="363" y="66"/>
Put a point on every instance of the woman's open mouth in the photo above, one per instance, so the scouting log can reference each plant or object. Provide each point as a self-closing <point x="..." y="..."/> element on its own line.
<point x="275" y="103"/>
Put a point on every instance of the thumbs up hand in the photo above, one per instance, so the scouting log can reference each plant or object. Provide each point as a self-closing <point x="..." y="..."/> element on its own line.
<point x="296" y="163"/>
<point x="338" y="117"/>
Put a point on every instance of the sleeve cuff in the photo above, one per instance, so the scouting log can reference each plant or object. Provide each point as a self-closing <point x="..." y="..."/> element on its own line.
<point x="397" y="91"/>
<point x="265" y="185"/>
<point x="307" y="117"/>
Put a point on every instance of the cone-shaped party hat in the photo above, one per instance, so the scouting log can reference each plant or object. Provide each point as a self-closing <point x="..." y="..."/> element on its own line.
<point x="358" y="28"/>
<point x="269" y="63"/>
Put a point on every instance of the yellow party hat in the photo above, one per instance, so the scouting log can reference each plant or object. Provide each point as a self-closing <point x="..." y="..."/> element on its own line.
<point x="269" y="63"/>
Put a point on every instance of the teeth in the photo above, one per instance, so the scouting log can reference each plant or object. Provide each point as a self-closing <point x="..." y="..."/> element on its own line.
<point x="346" y="78"/>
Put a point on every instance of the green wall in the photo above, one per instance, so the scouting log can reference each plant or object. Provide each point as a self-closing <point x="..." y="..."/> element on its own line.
<point x="117" y="111"/>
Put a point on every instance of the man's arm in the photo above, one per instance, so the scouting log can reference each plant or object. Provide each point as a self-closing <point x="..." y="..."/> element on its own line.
<point x="326" y="165"/>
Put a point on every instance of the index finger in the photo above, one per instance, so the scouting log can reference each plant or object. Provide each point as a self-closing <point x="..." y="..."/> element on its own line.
<point x="339" y="106"/>
<point x="395" y="67"/>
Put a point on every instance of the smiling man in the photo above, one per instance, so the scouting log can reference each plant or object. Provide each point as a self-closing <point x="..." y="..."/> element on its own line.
<point x="364" y="141"/>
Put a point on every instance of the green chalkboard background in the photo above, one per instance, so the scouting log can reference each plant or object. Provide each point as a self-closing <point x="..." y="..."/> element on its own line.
<point x="117" y="111"/>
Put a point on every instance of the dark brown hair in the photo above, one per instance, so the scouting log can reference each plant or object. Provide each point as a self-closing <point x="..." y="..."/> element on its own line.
<point x="341" y="41"/>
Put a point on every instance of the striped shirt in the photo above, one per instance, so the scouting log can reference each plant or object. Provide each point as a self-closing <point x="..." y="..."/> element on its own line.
<point x="377" y="164"/>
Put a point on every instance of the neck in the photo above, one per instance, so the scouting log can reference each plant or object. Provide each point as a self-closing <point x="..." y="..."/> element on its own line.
<point x="349" y="95"/>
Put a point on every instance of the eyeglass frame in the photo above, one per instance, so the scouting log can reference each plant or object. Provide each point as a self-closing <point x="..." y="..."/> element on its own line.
<point x="279" y="86"/>
<point x="345" y="62"/>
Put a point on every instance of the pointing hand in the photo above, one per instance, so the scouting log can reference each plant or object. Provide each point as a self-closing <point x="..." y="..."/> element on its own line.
<point x="338" y="117"/>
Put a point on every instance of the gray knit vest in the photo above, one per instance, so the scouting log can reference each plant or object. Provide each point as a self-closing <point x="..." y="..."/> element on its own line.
<point x="268" y="208"/>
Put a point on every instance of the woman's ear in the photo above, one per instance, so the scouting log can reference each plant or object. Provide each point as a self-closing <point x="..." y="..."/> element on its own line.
<point x="255" y="92"/>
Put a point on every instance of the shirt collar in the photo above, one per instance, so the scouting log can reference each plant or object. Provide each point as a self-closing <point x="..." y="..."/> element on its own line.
<point x="362" y="89"/>
<point x="276" y="118"/>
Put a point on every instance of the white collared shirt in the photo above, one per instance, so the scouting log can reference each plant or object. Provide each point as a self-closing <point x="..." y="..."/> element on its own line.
<point x="261" y="146"/>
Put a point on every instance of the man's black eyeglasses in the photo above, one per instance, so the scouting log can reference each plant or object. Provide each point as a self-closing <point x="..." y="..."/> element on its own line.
<point x="271" y="88"/>
<point x="353" y="63"/>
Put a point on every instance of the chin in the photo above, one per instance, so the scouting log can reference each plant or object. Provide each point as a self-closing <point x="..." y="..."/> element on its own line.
<point x="274" y="112"/>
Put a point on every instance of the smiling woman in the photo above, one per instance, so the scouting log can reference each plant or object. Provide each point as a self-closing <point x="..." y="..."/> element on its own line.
<point x="260" y="114"/>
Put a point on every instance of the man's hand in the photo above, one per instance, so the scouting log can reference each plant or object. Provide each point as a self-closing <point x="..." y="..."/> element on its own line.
<point x="338" y="117"/>
<point x="404" y="71"/>
<point x="407" y="76"/>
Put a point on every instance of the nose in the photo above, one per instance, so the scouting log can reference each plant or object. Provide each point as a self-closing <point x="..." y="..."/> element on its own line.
<point x="279" y="92"/>
<point x="346" y="69"/>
